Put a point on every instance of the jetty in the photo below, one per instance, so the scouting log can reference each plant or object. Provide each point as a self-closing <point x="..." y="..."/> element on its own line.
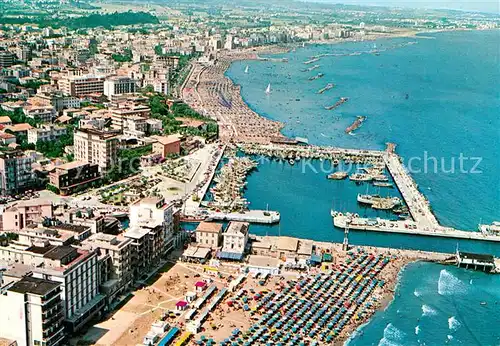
<point x="355" y="223"/>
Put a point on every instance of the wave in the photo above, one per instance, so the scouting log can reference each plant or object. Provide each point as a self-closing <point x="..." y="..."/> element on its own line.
<point x="453" y="323"/>
<point x="450" y="285"/>
<point x="417" y="293"/>
<point x="450" y="337"/>
<point x="392" y="336"/>
<point x="428" y="311"/>
<point x="417" y="330"/>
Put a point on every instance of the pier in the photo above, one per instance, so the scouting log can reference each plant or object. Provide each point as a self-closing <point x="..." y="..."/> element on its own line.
<point x="252" y="216"/>
<point x="405" y="227"/>
<point x="417" y="204"/>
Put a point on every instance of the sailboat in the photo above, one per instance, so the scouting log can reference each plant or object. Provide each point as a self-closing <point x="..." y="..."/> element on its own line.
<point x="246" y="69"/>
<point x="268" y="89"/>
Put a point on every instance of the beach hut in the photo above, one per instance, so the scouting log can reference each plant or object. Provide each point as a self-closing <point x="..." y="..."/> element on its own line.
<point x="200" y="286"/>
<point x="181" y="305"/>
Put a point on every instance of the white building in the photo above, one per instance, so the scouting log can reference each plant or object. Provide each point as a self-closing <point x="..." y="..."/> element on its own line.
<point x="32" y="313"/>
<point x="235" y="240"/>
<point x="118" y="85"/>
<point x="45" y="133"/>
<point x="41" y="113"/>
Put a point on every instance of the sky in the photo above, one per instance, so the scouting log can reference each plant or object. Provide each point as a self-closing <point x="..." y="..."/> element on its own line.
<point x="466" y="5"/>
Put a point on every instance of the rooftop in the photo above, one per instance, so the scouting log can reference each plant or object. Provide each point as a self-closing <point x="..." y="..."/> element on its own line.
<point x="237" y="227"/>
<point x="209" y="227"/>
<point x="287" y="244"/>
<point x="60" y="252"/>
<point x="33" y="285"/>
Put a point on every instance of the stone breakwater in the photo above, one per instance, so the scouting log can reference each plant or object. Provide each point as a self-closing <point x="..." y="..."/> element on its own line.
<point x="211" y="93"/>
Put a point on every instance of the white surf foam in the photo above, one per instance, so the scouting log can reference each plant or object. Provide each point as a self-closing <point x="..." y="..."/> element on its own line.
<point x="417" y="293"/>
<point x="417" y="330"/>
<point x="449" y="284"/>
<point x="428" y="311"/>
<point x="453" y="323"/>
<point x="392" y="336"/>
<point x="450" y="337"/>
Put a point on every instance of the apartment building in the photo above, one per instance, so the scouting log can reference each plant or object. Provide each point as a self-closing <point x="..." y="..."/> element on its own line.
<point x="15" y="172"/>
<point x="117" y="85"/>
<point x="115" y="262"/>
<point x="126" y="111"/>
<point x="96" y="147"/>
<point x="151" y="232"/>
<point x="7" y="59"/>
<point x="73" y="176"/>
<point x="209" y="234"/>
<point x="32" y="312"/>
<point x="46" y="133"/>
<point x="25" y="213"/>
<point x="83" y="85"/>
<point x="78" y="273"/>
<point x="135" y="126"/>
<point x="41" y="113"/>
<point x="57" y="100"/>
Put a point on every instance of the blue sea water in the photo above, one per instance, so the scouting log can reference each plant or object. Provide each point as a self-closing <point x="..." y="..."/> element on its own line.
<point x="452" y="108"/>
<point x="438" y="99"/>
<point x="437" y="305"/>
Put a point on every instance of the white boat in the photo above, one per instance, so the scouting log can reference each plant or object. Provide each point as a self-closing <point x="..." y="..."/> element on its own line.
<point x="246" y="69"/>
<point x="494" y="227"/>
<point x="360" y="177"/>
<point x="268" y="89"/>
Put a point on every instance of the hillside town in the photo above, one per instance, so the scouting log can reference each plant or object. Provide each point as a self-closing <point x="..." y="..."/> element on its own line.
<point x="111" y="136"/>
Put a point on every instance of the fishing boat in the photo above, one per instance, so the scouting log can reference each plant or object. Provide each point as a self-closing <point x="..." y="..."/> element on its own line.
<point x="367" y="199"/>
<point x="356" y="124"/>
<point x="340" y="175"/>
<point x="268" y="89"/>
<point x="318" y="76"/>
<point x="382" y="184"/>
<point x="327" y="87"/>
<point x="338" y="103"/>
<point x="360" y="177"/>
<point x="380" y="177"/>
<point x="309" y="69"/>
<point x="311" y="61"/>
<point x="246" y="69"/>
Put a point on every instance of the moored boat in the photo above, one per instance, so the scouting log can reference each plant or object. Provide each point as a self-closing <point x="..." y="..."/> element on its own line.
<point x="340" y="175"/>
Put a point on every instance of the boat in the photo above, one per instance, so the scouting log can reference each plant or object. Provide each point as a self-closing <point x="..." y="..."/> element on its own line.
<point x="246" y="69"/>
<point x="382" y="184"/>
<point x="327" y="87"/>
<point x="367" y="199"/>
<point x="494" y="227"/>
<point x="309" y="69"/>
<point x="484" y="303"/>
<point x="360" y="177"/>
<point x="268" y="89"/>
<point x="340" y="175"/>
<point x="318" y="76"/>
<point x="338" y="103"/>
<point x="308" y="62"/>
<point x="401" y="210"/>
<point x="356" y="124"/>
<point x="380" y="177"/>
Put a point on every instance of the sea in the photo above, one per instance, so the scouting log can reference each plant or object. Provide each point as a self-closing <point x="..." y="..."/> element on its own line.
<point x="437" y="97"/>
